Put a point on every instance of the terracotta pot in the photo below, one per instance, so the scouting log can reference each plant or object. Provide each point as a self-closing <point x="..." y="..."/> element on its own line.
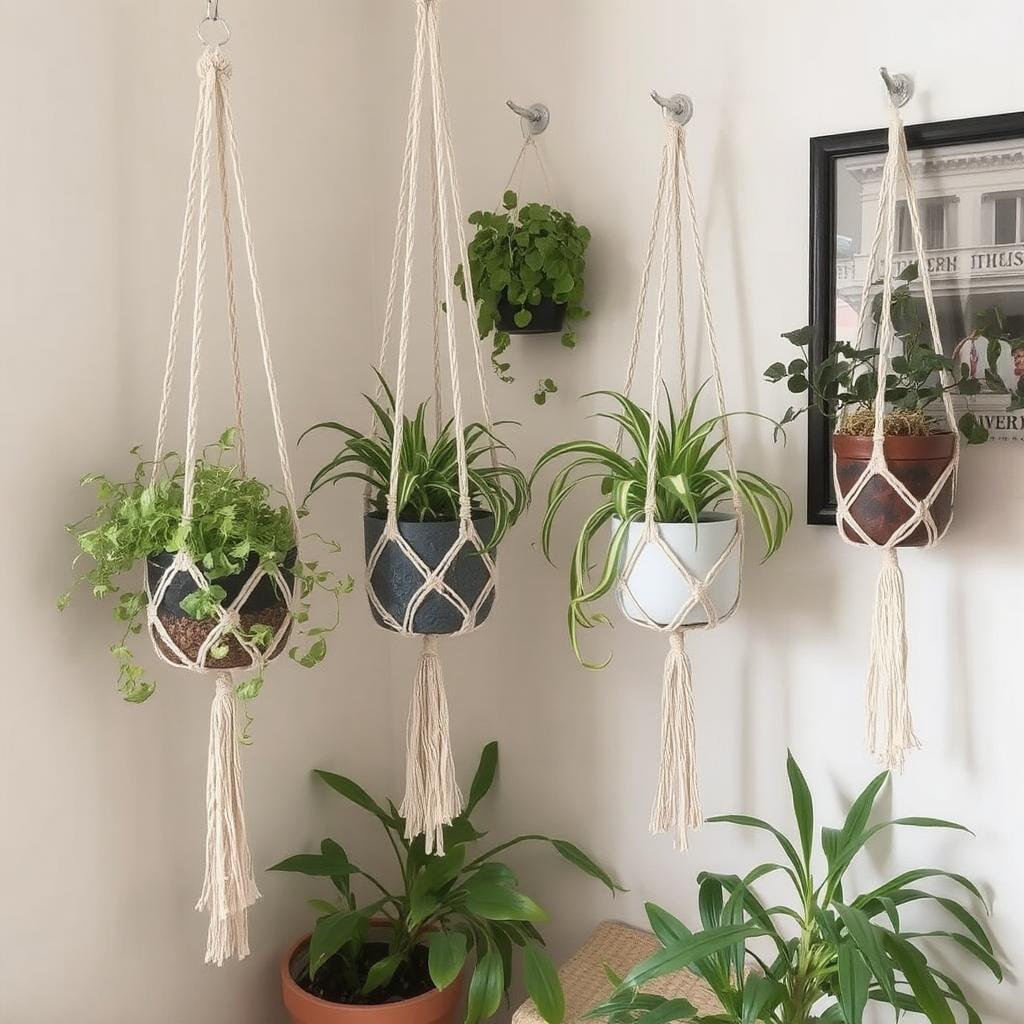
<point x="917" y="462"/>
<point x="432" y="1007"/>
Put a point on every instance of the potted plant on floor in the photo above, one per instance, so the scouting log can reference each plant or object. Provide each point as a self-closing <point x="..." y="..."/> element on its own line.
<point x="689" y="490"/>
<point x="428" y="512"/>
<point x="401" y="955"/>
<point x="235" y="531"/>
<point x="918" y="445"/>
<point x="527" y="264"/>
<point x="831" y="953"/>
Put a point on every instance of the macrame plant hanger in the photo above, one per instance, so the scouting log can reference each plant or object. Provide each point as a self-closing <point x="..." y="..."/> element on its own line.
<point x="230" y="885"/>
<point x="890" y="727"/>
<point x="677" y="805"/>
<point x="432" y="796"/>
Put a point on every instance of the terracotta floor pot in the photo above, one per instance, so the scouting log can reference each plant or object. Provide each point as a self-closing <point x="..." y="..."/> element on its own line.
<point x="432" y="1007"/>
<point x="917" y="462"/>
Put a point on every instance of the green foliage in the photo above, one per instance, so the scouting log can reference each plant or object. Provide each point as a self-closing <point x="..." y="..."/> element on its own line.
<point x="525" y="253"/>
<point x="232" y="520"/>
<point x="428" y="475"/>
<point x="827" y="947"/>
<point x="847" y="378"/>
<point x="467" y="909"/>
<point x="686" y="485"/>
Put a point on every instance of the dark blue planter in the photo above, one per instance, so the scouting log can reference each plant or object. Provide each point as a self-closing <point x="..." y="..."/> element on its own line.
<point x="396" y="580"/>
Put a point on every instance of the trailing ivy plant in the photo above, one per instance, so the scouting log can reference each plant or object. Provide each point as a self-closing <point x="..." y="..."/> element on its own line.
<point x="460" y="911"/>
<point x="831" y="952"/>
<point x="428" y="473"/>
<point x="687" y="484"/>
<point x="524" y="255"/>
<point x="233" y="519"/>
<point x="844" y="385"/>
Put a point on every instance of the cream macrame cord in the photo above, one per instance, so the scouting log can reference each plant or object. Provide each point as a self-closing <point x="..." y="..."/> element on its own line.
<point x="677" y="806"/>
<point x="890" y="729"/>
<point x="432" y="797"/>
<point x="230" y="886"/>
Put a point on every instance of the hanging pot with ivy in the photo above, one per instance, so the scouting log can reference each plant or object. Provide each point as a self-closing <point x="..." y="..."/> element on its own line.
<point x="528" y="263"/>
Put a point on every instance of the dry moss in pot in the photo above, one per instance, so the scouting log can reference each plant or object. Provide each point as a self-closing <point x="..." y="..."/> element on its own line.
<point x="427" y="512"/>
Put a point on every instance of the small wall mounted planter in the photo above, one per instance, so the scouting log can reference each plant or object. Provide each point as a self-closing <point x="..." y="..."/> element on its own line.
<point x="548" y="317"/>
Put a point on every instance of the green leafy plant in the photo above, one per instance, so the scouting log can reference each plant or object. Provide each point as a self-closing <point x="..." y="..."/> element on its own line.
<point x="454" y="911"/>
<point x="525" y="254"/>
<point x="847" y="950"/>
<point x="844" y="385"/>
<point x="686" y="486"/>
<point x="233" y="520"/>
<point x="428" y="476"/>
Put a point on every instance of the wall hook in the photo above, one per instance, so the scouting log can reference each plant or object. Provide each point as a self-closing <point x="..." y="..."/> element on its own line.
<point x="900" y="86"/>
<point x="536" y="118"/>
<point x="678" y="108"/>
<point x="211" y="23"/>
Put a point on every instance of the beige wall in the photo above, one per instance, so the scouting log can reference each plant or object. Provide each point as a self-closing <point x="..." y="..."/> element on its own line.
<point x="101" y="803"/>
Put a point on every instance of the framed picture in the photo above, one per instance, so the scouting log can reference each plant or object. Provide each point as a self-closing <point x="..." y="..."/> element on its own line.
<point x="969" y="177"/>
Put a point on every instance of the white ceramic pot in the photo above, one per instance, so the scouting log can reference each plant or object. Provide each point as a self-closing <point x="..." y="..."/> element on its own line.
<point x="660" y="589"/>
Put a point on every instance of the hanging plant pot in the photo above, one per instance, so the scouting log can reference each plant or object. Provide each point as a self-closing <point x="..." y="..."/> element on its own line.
<point x="265" y="606"/>
<point x="657" y="590"/>
<point x="430" y="1007"/>
<point x="396" y="580"/>
<point x="917" y="462"/>
<point x="548" y="316"/>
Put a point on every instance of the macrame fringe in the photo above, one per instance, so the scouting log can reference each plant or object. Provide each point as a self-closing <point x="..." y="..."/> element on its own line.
<point x="432" y="796"/>
<point x="888" y="692"/>
<point x="230" y="886"/>
<point x="677" y="806"/>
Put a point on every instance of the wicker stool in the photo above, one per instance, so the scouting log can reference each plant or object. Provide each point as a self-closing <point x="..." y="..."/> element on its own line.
<point x="620" y="947"/>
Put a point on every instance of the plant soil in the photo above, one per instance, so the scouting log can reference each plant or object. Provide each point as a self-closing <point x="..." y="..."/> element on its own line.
<point x="189" y="634"/>
<point x="333" y="981"/>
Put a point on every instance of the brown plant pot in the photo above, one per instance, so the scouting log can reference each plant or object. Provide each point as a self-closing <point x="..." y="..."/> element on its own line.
<point x="433" y="1007"/>
<point x="917" y="462"/>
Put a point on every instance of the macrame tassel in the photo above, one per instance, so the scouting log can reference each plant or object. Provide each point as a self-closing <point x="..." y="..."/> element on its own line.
<point x="230" y="886"/>
<point x="677" y="804"/>
<point x="432" y="796"/>
<point x="887" y="672"/>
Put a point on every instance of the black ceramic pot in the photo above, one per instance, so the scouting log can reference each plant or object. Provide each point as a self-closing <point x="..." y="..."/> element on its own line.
<point x="396" y="580"/>
<point x="548" y="317"/>
<point x="265" y="606"/>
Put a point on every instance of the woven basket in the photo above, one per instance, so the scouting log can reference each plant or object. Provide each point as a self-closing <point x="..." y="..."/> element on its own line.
<point x="620" y="947"/>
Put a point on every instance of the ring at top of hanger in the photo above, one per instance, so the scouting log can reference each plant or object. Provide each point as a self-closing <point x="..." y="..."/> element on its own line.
<point x="677" y="108"/>
<point x="213" y="18"/>
<point x="535" y="118"/>
<point x="900" y="86"/>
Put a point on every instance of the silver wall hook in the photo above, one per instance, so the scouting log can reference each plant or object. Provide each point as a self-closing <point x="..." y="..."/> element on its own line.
<point x="678" y="108"/>
<point x="536" y="118"/>
<point x="900" y="86"/>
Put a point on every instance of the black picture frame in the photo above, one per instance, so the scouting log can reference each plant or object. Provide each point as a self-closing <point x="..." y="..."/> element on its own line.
<point x="826" y="151"/>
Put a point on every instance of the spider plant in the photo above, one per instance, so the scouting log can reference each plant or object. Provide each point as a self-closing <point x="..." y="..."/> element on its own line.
<point x="687" y="486"/>
<point x="428" y="474"/>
